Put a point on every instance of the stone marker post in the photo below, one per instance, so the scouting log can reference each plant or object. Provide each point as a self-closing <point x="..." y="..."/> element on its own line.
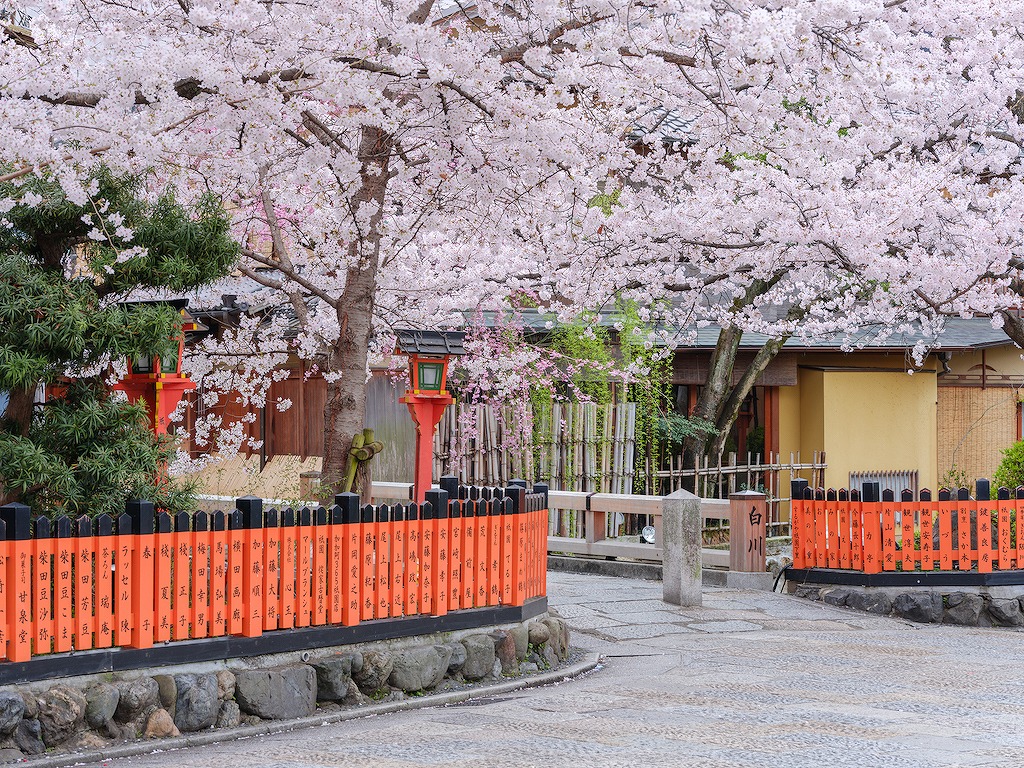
<point x="681" y="549"/>
<point x="748" y="532"/>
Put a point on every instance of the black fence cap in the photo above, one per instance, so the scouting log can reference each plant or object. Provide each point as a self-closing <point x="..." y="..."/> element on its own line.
<point x="17" y="518"/>
<point x="438" y="500"/>
<point x="251" y="508"/>
<point x="141" y="512"/>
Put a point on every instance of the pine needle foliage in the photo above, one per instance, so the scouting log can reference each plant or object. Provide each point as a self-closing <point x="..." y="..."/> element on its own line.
<point x="66" y="268"/>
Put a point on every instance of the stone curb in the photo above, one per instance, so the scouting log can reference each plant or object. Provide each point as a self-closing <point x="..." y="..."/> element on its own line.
<point x="588" y="663"/>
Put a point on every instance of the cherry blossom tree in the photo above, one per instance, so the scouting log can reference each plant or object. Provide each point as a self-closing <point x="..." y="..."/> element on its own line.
<point x="784" y="166"/>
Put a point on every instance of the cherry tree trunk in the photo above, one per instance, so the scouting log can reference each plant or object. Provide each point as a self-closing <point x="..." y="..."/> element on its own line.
<point x="345" y="408"/>
<point x="715" y="391"/>
<point x="729" y="410"/>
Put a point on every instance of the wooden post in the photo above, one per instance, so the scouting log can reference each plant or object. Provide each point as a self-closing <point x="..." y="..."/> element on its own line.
<point x="43" y="554"/>
<point x="348" y="503"/>
<point x="274" y="569"/>
<point x="287" y="537"/>
<point x="253" y="564"/>
<point x="85" y="555"/>
<point x="368" y="555"/>
<point x="122" y="581"/>
<point x="871" y="525"/>
<point x="985" y="510"/>
<point x="908" y="547"/>
<point x="309" y="485"/>
<point x="17" y="584"/>
<point x="435" y="550"/>
<point x="517" y="493"/>
<point x="927" y="530"/>
<point x="143" y="567"/>
<point x="796" y="523"/>
<point x="164" y="582"/>
<point x="304" y="568"/>
<point x="219" y="575"/>
<point x="236" y="564"/>
<point x="321" y="567"/>
<point x="748" y="531"/>
<point x="201" y="545"/>
<point x="337" y="568"/>
<point x="182" y="568"/>
<point x="888" y="530"/>
<point x="966" y="520"/>
<point x="413" y="560"/>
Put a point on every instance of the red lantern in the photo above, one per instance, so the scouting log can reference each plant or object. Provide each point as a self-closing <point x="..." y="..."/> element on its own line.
<point x="427" y="397"/>
<point x="157" y="382"/>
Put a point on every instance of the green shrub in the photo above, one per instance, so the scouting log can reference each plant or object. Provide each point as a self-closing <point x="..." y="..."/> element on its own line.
<point x="1011" y="469"/>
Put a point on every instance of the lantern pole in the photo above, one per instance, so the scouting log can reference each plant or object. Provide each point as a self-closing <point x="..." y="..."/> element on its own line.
<point x="426" y="413"/>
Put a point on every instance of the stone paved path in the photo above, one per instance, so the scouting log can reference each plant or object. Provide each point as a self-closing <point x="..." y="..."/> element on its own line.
<point x="750" y="680"/>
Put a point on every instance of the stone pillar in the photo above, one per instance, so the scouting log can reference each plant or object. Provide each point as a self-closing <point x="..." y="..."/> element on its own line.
<point x="681" y="549"/>
<point x="748" y="531"/>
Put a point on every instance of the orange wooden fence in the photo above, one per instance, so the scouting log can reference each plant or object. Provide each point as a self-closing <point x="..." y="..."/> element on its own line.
<point x="849" y="530"/>
<point x="146" y="578"/>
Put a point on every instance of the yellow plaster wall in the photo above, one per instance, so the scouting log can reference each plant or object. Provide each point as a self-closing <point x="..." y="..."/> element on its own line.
<point x="812" y="412"/>
<point x="789" y="422"/>
<point x="879" y="421"/>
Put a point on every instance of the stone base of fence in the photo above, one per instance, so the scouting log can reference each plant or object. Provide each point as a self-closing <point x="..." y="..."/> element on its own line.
<point x="972" y="606"/>
<point x="160" y="701"/>
<point x="282" y="641"/>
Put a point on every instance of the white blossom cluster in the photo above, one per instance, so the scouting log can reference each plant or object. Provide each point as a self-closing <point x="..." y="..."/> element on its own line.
<point x="840" y="163"/>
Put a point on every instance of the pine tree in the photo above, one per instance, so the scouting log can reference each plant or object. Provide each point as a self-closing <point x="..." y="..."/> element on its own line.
<point x="66" y="268"/>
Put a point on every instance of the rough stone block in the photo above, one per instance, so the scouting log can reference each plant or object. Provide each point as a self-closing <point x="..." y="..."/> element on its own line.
<point x="101" y="703"/>
<point x="923" y="607"/>
<point x="872" y="602"/>
<point x="278" y="693"/>
<point x="12" y="708"/>
<point x="168" y="692"/>
<point x="836" y="596"/>
<point x="230" y="715"/>
<point x="135" y="696"/>
<point x="539" y="634"/>
<point x="333" y="675"/>
<point x="521" y="636"/>
<point x="225" y="685"/>
<point x="418" y="669"/>
<point x="963" y="608"/>
<point x="61" y="714"/>
<point x="1006" y="612"/>
<point x="458" y="658"/>
<point x="374" y="671"/>
<point x="480" y="656"/>
<point x="159" y="725"/>
<point x="808" y="592"/>
<point x="505" y="650"/>
<point x="28" y="737"/>
<point x="197" y="703"/>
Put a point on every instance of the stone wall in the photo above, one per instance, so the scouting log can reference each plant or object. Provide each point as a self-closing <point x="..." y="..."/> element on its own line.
<point x="95" y="712"/>
<point x="973" y="607"/>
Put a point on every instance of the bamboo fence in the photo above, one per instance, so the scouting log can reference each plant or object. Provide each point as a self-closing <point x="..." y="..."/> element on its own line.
<point x="579" y="446"/>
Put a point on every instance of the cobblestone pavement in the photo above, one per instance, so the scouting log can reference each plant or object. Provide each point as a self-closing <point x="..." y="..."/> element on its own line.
<point x="750" y="680"/>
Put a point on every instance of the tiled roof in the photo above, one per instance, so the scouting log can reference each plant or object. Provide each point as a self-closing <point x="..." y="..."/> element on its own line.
<point x="411" y="342"/>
